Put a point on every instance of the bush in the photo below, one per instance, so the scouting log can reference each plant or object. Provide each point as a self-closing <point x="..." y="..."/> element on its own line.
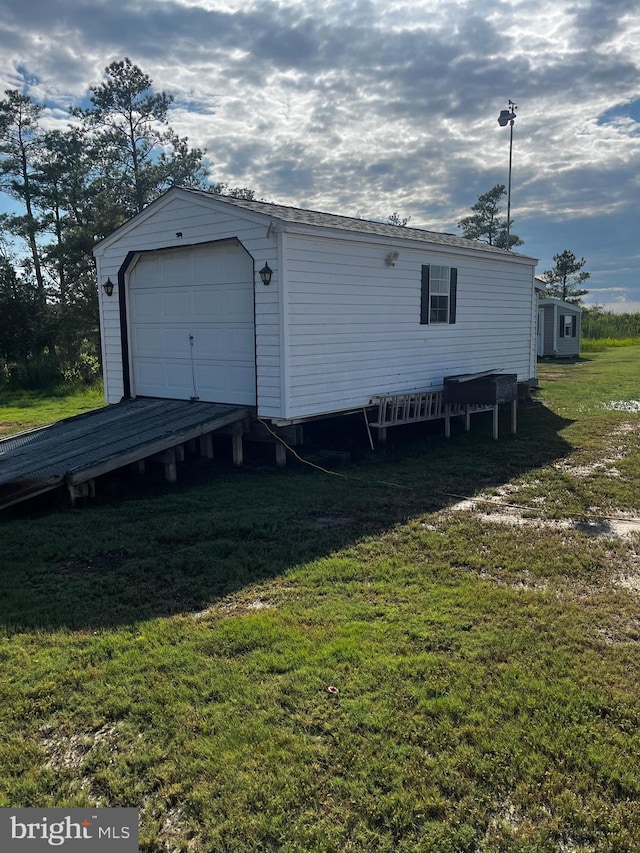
<point x="86" y="369"/>
<point x="45" y="371"/>
<point x="38" y="371"/>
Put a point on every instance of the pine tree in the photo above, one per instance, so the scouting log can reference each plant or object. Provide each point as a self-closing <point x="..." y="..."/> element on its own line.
<point x="139" y="154"/>
<point x="564" y="280"/>
<point x="486" y="224"/>
<point x="21" y="141"/>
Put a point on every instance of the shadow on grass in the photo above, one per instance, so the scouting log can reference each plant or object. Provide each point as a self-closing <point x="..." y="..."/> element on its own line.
<point x="151" y="551"/>
<point x="563" y="360"/>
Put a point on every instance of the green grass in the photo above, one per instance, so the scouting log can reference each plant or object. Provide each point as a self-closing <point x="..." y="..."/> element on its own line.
<point x="600" y="344"/>
<point x="23" y="410"/>
<point x="174" y="652"/>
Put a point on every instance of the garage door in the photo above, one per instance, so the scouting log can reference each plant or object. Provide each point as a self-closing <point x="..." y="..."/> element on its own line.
<point x="192" y="325"/>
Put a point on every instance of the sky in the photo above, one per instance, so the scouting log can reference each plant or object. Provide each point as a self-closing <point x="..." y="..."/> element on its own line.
<point x="366" y="107"/>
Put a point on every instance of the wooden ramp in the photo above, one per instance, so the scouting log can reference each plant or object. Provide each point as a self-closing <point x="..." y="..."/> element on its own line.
<point x="74" y="451"/>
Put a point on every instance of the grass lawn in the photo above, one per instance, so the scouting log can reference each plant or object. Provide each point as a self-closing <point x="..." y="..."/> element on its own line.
<point x="23" y="410"/>
<point x="475" y="605"/>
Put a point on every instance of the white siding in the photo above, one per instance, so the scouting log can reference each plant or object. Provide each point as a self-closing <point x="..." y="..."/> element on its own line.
<point x="354" y="324"/>
<point x="199" y="221"/>
<point x="337" y="326"/>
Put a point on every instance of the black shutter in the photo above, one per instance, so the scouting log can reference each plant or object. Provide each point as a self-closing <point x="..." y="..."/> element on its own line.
<point x="453" y="294"/>
<point x="562" y="325"/>
<point x="424" y="295"/>
<point x="574" y="326"/>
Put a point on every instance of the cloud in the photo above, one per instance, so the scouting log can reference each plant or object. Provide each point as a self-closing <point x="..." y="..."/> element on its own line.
<point x="601" y="20"/>
<point x="370" y="106"/>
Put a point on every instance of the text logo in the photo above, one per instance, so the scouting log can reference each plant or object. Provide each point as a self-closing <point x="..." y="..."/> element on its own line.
<point x="73" y="830"/>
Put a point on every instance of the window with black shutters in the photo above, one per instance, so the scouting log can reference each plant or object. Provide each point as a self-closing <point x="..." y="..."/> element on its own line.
<point x="438" y="294"/>
<point x="568" y="325"/>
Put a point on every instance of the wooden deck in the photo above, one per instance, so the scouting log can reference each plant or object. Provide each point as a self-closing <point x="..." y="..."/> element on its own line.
<point x="74" y="451"/>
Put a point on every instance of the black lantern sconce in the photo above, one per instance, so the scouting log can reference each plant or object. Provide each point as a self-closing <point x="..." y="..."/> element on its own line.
<point x="265" y="274"/>
<point x="108" y="287"/>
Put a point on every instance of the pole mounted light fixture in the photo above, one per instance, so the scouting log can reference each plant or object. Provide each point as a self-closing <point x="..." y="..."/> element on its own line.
<point x="265" y="274"/>
<point x="108" y="287"/>
<point x="507" y="117"/>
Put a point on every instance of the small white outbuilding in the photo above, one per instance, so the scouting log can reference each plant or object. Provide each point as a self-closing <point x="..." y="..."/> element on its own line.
<point x="559" y="328"/>
<point x="354" y="309"/>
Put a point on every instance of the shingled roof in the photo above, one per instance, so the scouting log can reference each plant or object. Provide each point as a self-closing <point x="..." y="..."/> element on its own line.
<point x="301" y="216"/>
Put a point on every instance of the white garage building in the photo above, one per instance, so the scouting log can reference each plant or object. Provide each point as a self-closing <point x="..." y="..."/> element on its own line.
<point x="354" y="309"/>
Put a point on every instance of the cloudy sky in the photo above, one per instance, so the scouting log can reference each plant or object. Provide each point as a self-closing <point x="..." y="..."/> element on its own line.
<point x="365" y="107"/>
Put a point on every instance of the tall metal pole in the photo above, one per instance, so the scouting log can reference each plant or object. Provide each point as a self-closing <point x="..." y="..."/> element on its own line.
<point x="509" y="190"/>
<point x="508" y="117"/>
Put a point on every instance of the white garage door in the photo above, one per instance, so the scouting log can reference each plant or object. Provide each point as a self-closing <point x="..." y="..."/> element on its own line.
<point x="192" y="325"/>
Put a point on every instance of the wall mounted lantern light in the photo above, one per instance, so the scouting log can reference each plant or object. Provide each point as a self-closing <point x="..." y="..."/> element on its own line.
<point x="108" y="287"/>
<point x="391" y="259"/>
<point x="265" y="274"/>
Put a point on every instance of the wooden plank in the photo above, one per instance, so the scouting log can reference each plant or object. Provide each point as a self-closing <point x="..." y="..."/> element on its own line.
<point x="13" y="442"/>
<point x="77" y="425"/>
<point x="28" y="492"/>
<point x="147" y="449"/>
<point x="281" y="455"/>
<point x="121" y="440"/>
<point x="112" y="418"/>
<point x="174" y="421"/>
<point x="237" y="449"/>
<point x="206" y="446"/>
<point x="71" y="430"/>
<point x="81" y="490"/>
<point x="168" y="459"/>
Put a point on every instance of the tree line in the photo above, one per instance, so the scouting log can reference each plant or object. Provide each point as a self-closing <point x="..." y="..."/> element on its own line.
<point x="71" y="188"/>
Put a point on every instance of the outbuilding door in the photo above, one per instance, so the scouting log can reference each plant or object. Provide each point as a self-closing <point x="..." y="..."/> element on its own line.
<point x="191" y="321"/>
<point x="540" y="332"/>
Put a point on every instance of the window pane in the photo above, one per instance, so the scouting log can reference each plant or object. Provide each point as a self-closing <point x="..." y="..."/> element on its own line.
<point x="440" y="280"/>
<point x="439" y="309"/>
